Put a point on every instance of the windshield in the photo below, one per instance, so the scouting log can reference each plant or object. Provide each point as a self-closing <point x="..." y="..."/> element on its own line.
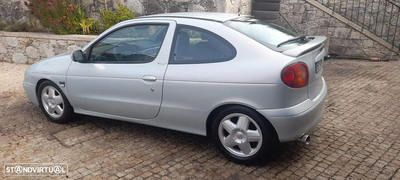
<point x="265" y="33"/>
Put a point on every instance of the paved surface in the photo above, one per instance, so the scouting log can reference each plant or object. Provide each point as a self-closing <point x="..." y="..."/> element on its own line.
<point x="358" y="139"/>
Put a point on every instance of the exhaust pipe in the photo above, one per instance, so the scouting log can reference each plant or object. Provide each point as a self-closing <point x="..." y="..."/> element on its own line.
<point x="305" y="138"/>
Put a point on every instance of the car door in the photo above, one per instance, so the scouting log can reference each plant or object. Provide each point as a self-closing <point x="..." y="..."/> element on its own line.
<point x="124" y="71"/>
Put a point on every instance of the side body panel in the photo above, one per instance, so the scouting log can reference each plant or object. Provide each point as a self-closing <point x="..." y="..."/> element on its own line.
<point x="121" y="88"/>
<point x="252" y="78"/>
<point x="192" y="91"/>
<point x="53" y="69"/>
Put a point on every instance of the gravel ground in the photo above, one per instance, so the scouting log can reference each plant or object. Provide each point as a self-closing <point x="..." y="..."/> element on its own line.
<point x="358" y="139"/>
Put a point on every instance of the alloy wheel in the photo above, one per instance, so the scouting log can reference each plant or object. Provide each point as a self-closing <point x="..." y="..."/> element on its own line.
<point x="52" y="101"/>
<point x="240" y="135"/>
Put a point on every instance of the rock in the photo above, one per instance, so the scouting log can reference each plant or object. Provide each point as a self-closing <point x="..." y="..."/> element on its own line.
<point x="47" y="50"/>
<point x="22" y="42"/>
<point x="73" y="48"/>
<point x="373" y="53"/>
<point x="62" y="43"/>
<point x="81" y="43"/>
<point x="232" y="6"/>
<point x="298" y="9"/>
<point x="3" y="57"/>
<point x="136" y="6"/>
<point x="87" y="2"/>
<point x="321" y="32"/>
<point x="181" y="0"/>
<point x="197" y="8"/>
<point x="11" y="41"/>
<point x="323" y="22"/>
<point x="35" y="44"/>
<point x="319" y="14"/>
<point x="355" y="35"/>
<point x="367" y="44"/>
<point x="341" y="32"/>
<point x="354" y="52"/>
<point x="32" y="52"/>
<point x="3" y="48"/>
<point x="19" y="58"/>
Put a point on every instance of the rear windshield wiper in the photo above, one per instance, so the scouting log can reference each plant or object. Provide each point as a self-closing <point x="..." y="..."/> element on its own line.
<point x="298" y="38"/>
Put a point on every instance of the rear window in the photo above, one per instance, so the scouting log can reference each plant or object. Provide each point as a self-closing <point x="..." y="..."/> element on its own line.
<point x="196" y="45"/>
<point x="265" y="33"/>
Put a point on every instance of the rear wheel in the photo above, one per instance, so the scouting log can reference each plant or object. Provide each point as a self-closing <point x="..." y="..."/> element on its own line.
<point x="53" y="103"/>
<point x="242" y="135"/>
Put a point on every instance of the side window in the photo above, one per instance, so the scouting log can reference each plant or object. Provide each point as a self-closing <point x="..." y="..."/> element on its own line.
<point x="195" y="45"/>
<point x="135" y="44"/>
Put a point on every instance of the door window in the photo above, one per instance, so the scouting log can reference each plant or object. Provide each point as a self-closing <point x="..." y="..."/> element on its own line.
<point x="133" y="44"/>
<point x="195" y="45"/>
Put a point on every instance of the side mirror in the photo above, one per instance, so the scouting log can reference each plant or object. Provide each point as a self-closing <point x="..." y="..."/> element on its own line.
<point x="78" y="56"/>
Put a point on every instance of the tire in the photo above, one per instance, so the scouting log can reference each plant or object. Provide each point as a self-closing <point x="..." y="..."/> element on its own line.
<point x="243" y="136"/>
<point x="54" y="104"/>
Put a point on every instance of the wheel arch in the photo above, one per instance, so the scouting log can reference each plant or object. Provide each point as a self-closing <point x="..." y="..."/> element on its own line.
<point x="68" y="110"/>
<point x="39" y="83"/>
<point x="46" y="79"/>
<point x="216" y="110"/>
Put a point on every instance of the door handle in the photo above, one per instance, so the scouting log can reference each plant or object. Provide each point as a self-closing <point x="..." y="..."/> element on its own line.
<point x="149" y="78"/>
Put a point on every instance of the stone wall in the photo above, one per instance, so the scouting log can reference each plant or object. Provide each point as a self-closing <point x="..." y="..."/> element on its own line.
<point x="344" y="41"/>
<point x="12" y="11"/>
<point x="31" y="47"/>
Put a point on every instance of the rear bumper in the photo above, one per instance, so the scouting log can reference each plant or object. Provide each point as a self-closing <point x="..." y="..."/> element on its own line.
<point x="290" y="123"/>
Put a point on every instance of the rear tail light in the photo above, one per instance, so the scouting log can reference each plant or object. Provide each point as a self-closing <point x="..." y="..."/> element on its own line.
<point x="295" y="75"/>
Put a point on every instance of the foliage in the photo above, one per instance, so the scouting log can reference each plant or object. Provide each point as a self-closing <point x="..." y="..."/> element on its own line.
<point x="2" y="26"/>
<point x="20" y="27"/>
<point x="85" y="23"/>
<point x="110" y="17"/>
<point x="60" y="16"/>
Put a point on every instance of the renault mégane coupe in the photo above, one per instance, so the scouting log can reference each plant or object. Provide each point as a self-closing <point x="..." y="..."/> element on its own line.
<point x="243" y="82"/>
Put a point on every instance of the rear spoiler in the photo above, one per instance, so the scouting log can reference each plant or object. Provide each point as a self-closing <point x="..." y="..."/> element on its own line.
<point x="315" y="42"/>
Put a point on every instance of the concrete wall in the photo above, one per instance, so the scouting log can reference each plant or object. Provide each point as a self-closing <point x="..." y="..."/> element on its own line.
<point x="12" y="11"/>
<point x="344" y="41"/>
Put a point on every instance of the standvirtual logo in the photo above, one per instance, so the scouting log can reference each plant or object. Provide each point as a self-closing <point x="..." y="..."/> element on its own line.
<point x="36" y="169"/>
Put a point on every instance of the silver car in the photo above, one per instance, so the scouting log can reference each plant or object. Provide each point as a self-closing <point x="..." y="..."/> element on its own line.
<point x="245" y="83"/>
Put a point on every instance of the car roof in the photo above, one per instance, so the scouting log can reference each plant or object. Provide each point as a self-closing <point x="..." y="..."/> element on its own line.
<point x="211" y="16"/>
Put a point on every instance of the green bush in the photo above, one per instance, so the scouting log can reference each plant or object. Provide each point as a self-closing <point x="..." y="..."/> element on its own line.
<point x="85" y="23"/>
<point x="2" y="26"/>
<point x="20" y="27"/>
<point x="60" y="16"/>
<point x="110" y="17"/>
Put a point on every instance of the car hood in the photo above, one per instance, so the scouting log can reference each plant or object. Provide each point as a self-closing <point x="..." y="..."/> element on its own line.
<point x="57" y="65"/>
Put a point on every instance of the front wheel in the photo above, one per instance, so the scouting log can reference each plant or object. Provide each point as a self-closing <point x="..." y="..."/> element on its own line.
<point x="243" y="135"/>
<point x="54" y="104"/>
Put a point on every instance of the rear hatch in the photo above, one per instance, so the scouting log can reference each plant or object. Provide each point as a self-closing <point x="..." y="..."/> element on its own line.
<point x="312" y="53"/>
<point x="307" y="49"/>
